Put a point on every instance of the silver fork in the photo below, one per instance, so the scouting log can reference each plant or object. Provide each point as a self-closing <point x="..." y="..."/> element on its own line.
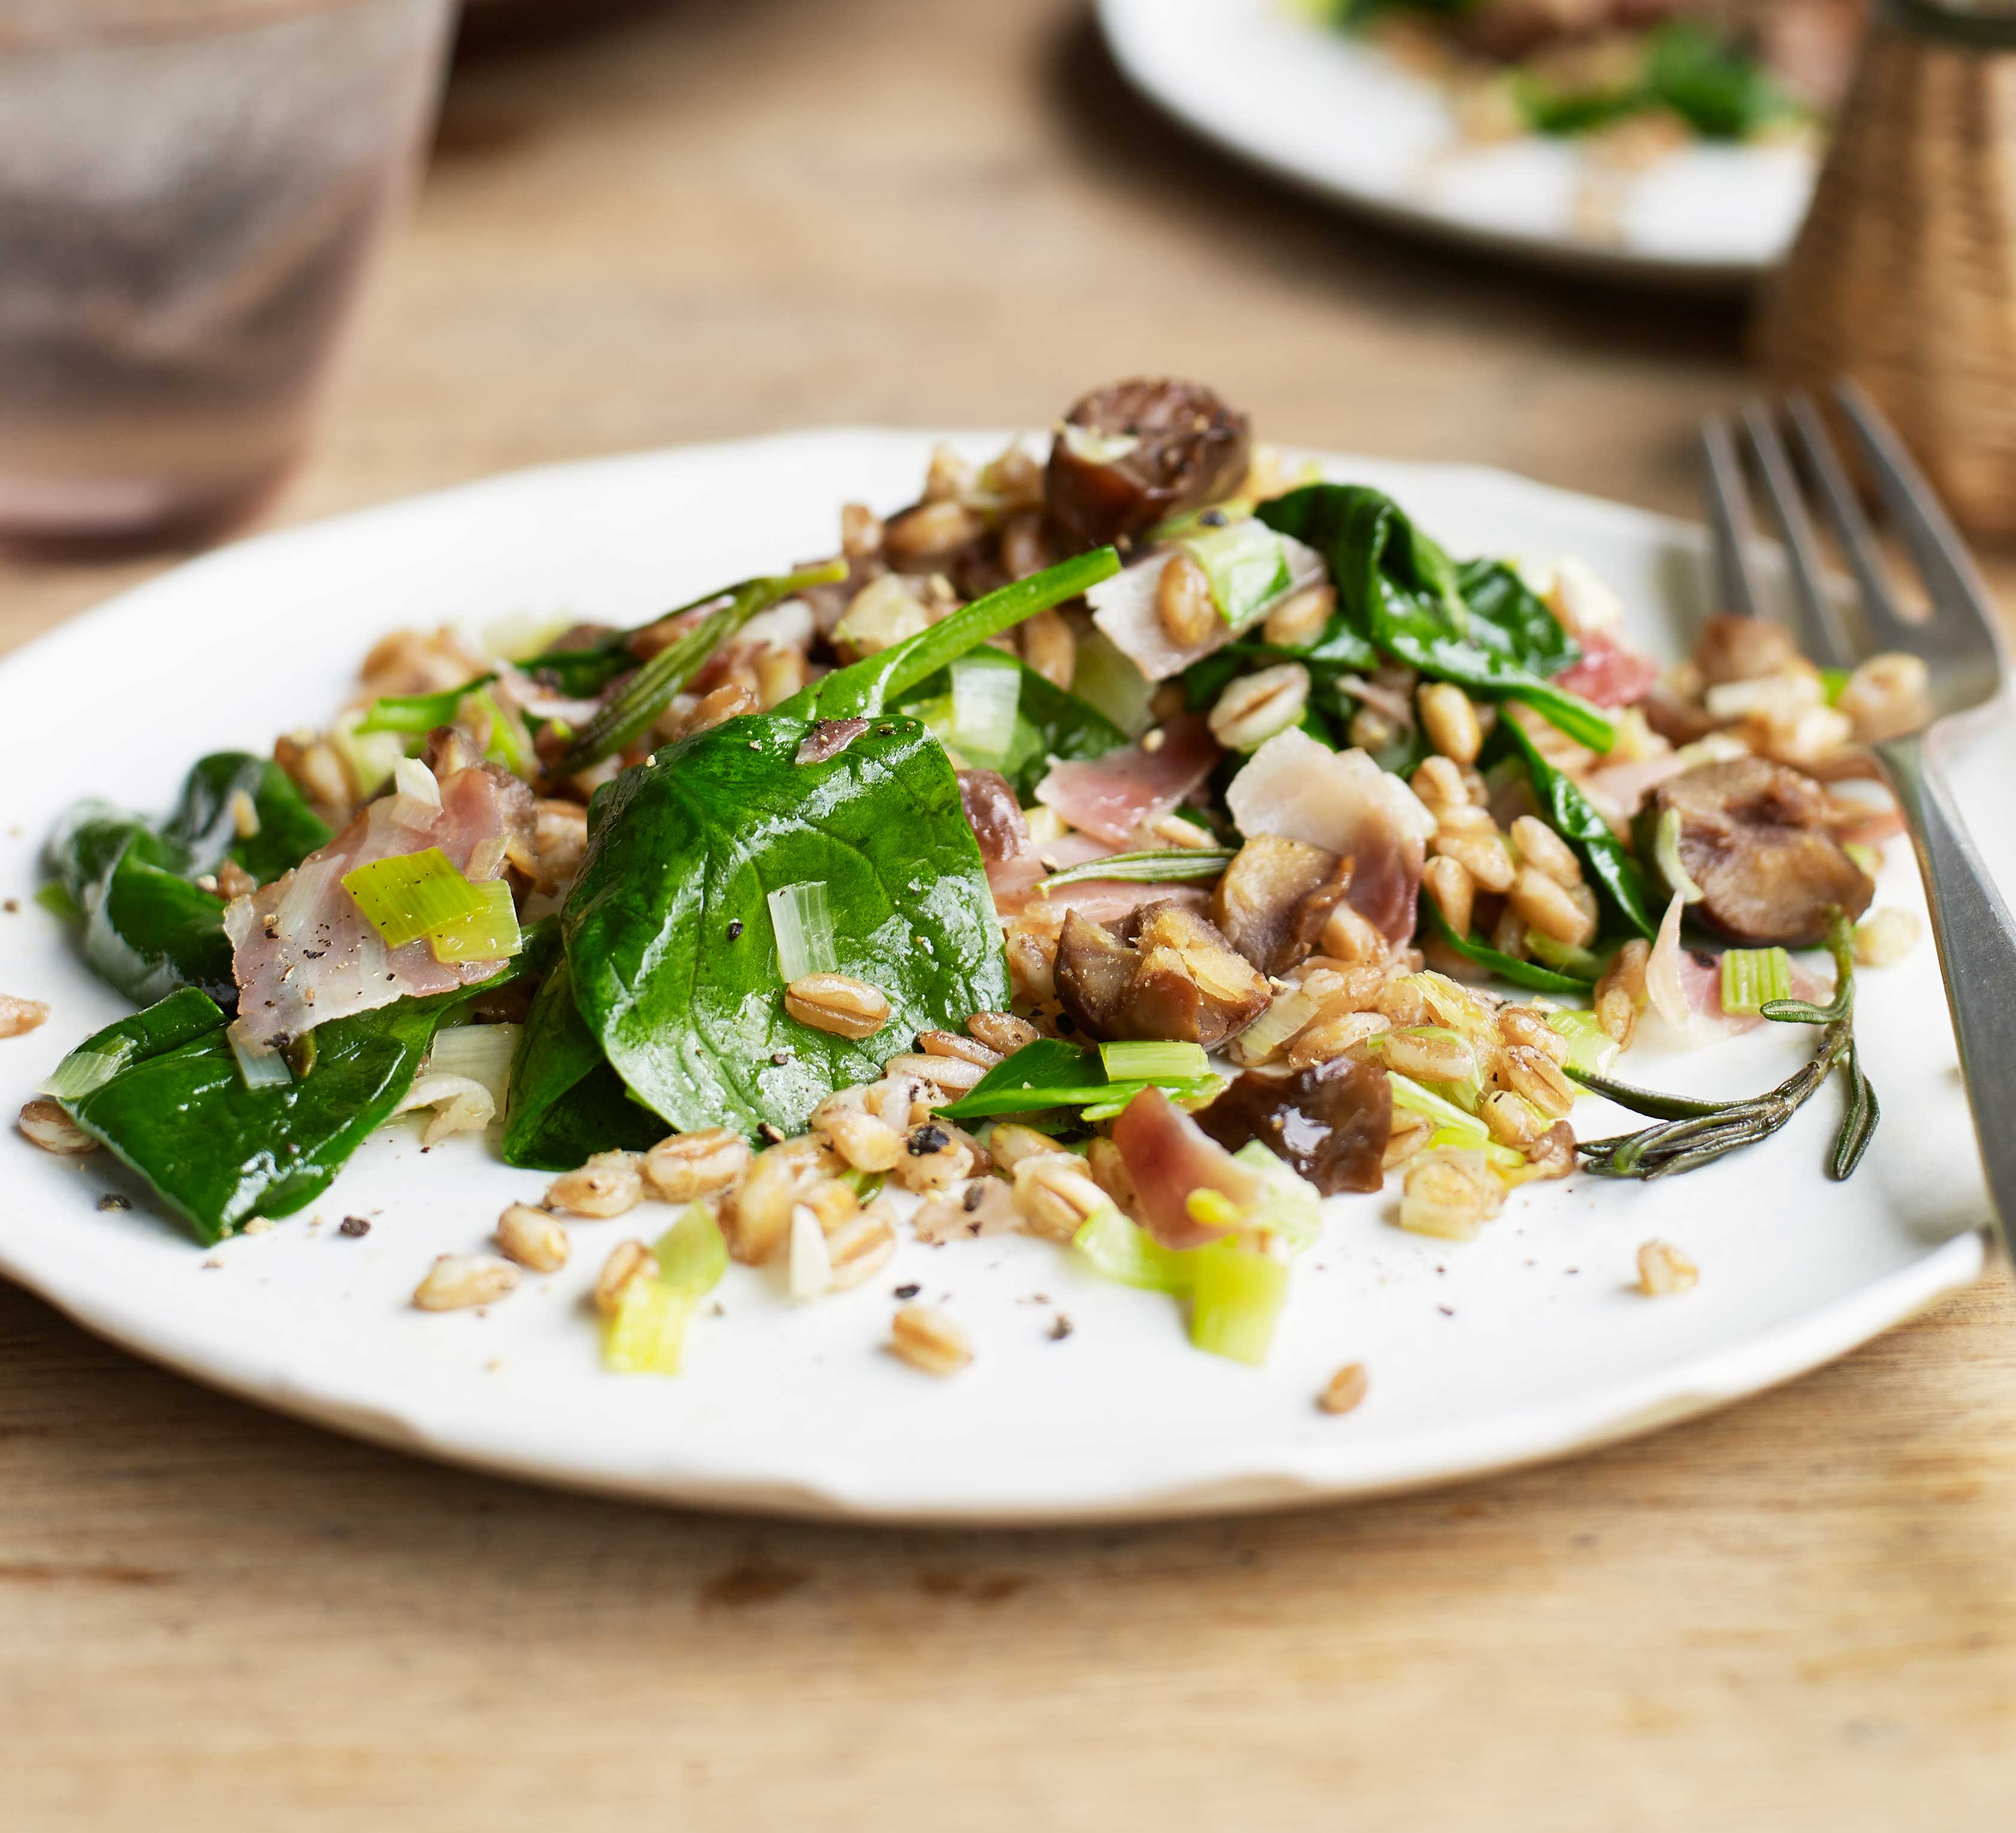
<point x="1962" y="648"/>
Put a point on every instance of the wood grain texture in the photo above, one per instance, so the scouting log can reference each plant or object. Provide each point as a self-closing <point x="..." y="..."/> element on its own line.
<point x="718" y="219"/>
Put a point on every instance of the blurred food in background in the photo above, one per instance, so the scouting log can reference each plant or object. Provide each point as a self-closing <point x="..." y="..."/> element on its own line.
<point x="1663" y="72"/>
<point x="190" y="191"/>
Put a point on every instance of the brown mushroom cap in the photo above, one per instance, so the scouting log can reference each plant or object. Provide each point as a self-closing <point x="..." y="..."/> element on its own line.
<point x="1188" y="449"/>
<point x="1175" y="977"/>
<point x="1275" y="896"/>
<point x="1753" y="837"/>
<point x="1331" y="1123"/>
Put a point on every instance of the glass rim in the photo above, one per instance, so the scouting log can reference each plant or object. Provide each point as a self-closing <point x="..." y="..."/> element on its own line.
<point x="58" y="26"/>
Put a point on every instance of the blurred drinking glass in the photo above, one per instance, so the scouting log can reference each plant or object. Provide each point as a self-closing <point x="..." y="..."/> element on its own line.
<point x="190" y="191"/>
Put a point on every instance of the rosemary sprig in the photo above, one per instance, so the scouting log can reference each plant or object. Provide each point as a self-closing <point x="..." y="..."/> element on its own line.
<point x="1169" y="865"/>
<point x="1692" y="1134"/>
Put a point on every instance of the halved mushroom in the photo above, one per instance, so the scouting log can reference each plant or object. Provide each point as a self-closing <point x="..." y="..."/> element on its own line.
<point x="1130" y="455"/>
<point x="1175" y="976"/>
<point x="1167" y="1156"/>
<point x="1275" y="896"/>
<point x="1753" y="835"/>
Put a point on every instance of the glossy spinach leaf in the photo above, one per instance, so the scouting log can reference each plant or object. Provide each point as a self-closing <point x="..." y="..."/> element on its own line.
<point x="186" y="1014"/>
<point x="1401" y="591"/>
<point x="566" y="1104"/>
<point x="219" y="1152"/>
<point x="148" y="927"/>
<point x="668" y="932"/>
<point x="1609" y="863"/>
<point x="1508" y="968"/>
<point x="205" y="820"/>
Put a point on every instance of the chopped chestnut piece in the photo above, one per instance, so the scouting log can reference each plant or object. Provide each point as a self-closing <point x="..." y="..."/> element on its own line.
<point x="1133" y="454"/>
<point x="1275" y="896"/>
<point x="993" y="814"/>
<point x="1753" y="837"/>
<point x="1330" y="1122"/>
<point x="1176" y="978"/>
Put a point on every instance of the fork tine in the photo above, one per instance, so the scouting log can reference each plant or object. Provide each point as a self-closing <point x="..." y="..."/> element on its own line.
<point x="1887" y="625"/>
<point x="1820" y="627"/>
<point x="1943" y="561"/>
<point x="1729" y="519"/>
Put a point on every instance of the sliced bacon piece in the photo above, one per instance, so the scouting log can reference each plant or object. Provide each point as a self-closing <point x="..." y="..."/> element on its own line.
<point x="1609" y="673"/>
<point x="1298" y="788"/>
<point x="303" y="952"/>
<point x="1168" y="1155"/>
<point x="1110" y="797"/>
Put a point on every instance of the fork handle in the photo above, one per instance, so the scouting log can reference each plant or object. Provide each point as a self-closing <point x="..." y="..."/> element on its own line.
<point x="1977" y="944"/>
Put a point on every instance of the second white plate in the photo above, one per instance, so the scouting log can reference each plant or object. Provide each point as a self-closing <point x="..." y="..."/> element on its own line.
<point x="1341" y="118"/>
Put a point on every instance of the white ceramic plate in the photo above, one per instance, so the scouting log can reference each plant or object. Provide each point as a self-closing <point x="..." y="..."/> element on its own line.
<point x="1525" y="1345"/>
<point x="1344" y="119"/>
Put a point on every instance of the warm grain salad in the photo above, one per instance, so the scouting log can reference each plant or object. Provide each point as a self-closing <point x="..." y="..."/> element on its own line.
<point x="1129" y="847"/>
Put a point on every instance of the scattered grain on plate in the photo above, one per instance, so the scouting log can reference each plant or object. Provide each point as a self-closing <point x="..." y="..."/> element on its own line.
<point x="19" y="1016"/>
<point x="257" y="1225"/>
<point x="1663" y="1270"/>
<point x="1885" y="937"/>
<point x="112" y="1200"/>
<point x="928" y="1339"/>
<point x="43" y="1122"/>
<point x="457" y="1281"/>
<point x="1345" y="1389"/>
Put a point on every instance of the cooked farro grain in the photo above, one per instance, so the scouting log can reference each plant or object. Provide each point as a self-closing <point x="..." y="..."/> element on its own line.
<point x="19" y="1016"/>
<point x="626" y="1261"/>
<point x="1885" y="937"/>
<point x="690" y="1164"/>
<point x="532" y="1237"/>
<point x="1344" y="1390"/>
<point x="1253" y="707"/>
<point x="1449" y="722"/>
<point x="928" y="1339"/>
<point x="1184" y="603"/>
<point x="608" y="1184"/>
<point x="1049" y="647"/>
<point x="43" y="1121"/>
<point x="838" y="1004"/>
<point x="945" y="1044"/>
<point x="1002" y="1031"/>
<point x="1664" y="1270"/>
<point x="457" y="1281"/>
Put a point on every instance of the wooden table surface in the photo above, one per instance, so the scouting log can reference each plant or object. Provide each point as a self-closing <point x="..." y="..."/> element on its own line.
<point x="717" y="218"/>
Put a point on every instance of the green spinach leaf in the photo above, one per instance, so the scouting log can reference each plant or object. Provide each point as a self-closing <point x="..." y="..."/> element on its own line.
<point x="566" y="1102"/>
<point x="219" y="1152"/>
<point x="1400" y="591"/>
<point x="1610" y="864"/>
<point x="148" y="927"/>
<point x="668" y="931"/>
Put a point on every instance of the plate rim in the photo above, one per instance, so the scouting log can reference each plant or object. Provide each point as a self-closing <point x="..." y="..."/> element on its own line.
<point x="1540" y="1433"/>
